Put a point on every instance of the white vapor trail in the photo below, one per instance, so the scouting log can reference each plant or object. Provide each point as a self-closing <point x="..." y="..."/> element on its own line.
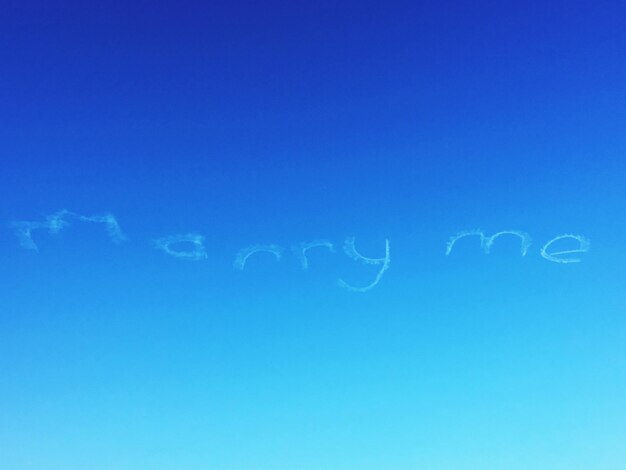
<point x="584" y="245"/>
<point x="486" y="242"/>
<point x="301" y="249"/>
<point x="199" y="252"/>
<point x="58" y="221"/>
<point x="245" y="253"/>
<point x="352" y="252"/>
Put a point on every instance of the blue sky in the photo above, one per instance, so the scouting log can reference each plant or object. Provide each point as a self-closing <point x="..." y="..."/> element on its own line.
<point x="282" y="123"/>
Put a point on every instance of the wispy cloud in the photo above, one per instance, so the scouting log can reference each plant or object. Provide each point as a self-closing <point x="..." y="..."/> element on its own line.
<point x="245" y="253"/>
<point x="58" y="221"/>
<point x="350" y="249"/>
<point x="198" y="252"/>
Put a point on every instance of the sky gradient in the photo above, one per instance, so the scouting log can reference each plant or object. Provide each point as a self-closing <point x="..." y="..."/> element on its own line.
<point x="280" y="123"/>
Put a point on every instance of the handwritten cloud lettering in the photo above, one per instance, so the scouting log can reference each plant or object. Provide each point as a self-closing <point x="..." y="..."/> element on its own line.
<point x="24" y="232"/>
<point x="245" y="253"/>
<point x="301" y="249"/>
<point x="191" y="246"/>
<point x="554" y="256"/>
<point x="352" y="252"/>
<point x="58" y="221"/>
<point x="487" y="242"/>
<point x="168" y="245"/>
<point x="112" y="227"/>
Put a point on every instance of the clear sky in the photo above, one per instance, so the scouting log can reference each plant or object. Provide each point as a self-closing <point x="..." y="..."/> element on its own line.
<point x="239" y="124"/>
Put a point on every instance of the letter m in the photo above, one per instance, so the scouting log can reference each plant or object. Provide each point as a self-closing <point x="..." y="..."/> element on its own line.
<point x="486" y="242"/>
